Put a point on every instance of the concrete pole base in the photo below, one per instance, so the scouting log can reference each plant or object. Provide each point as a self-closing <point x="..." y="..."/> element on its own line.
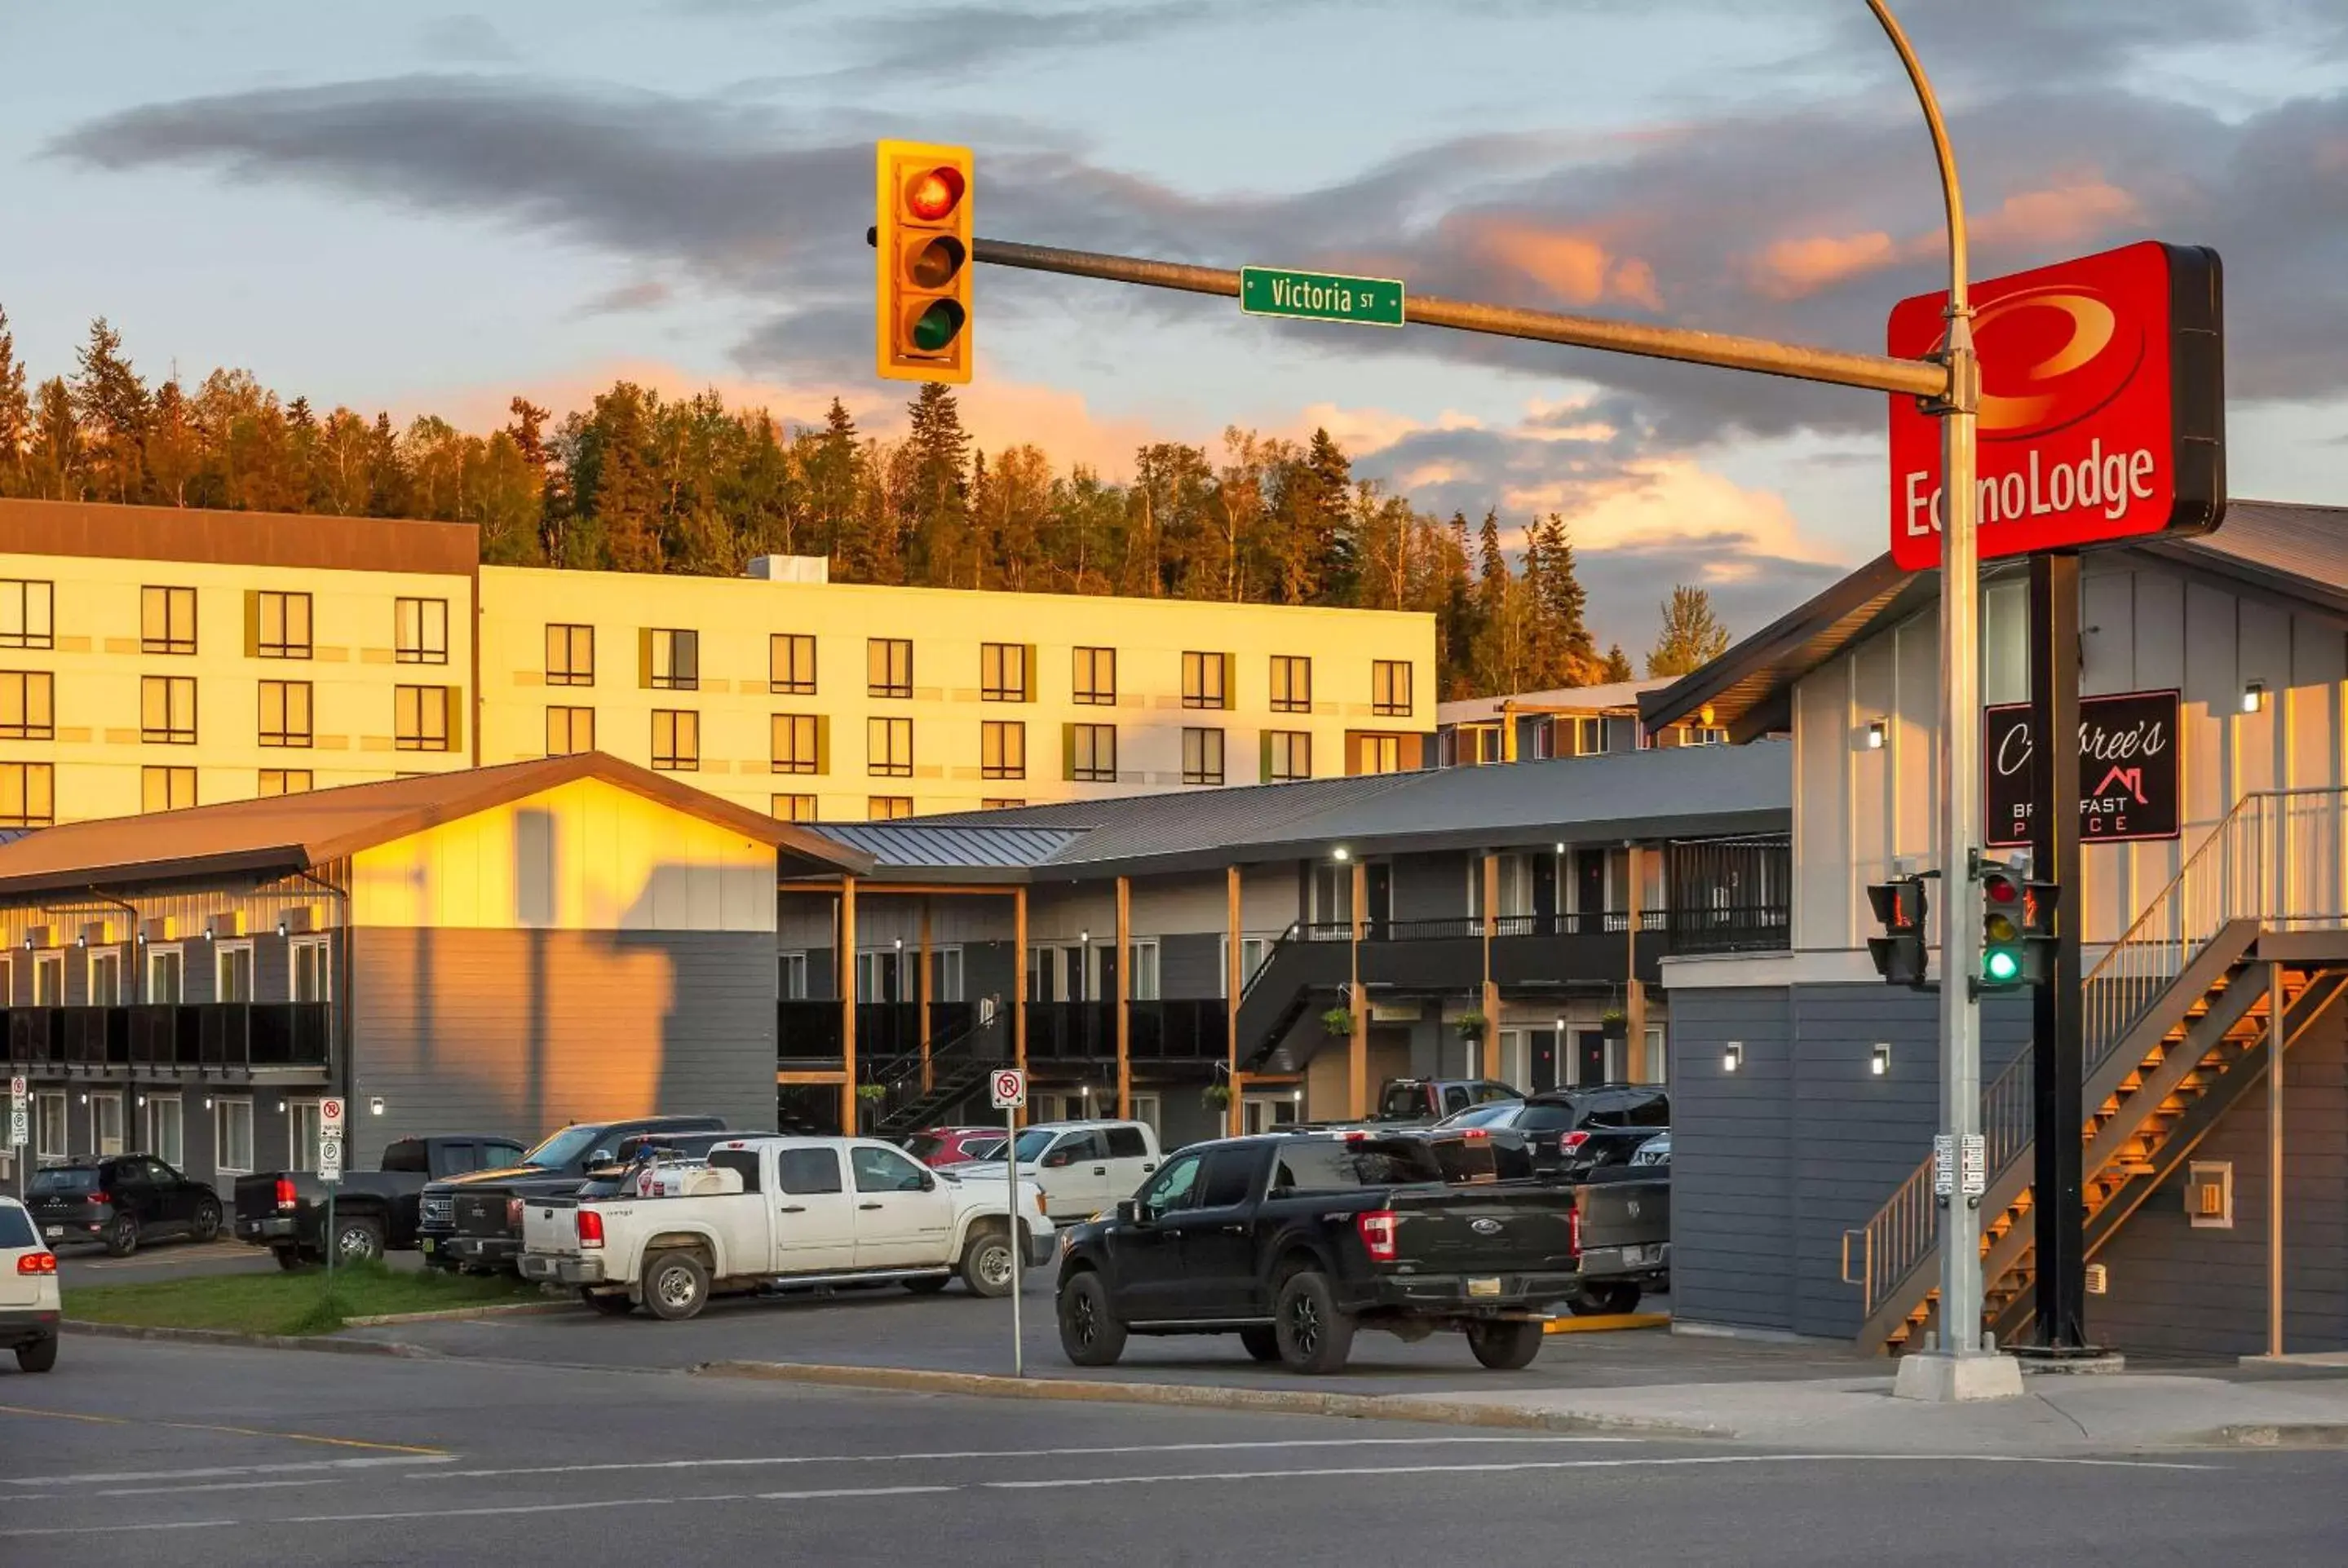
<point x="1945" y="1378"/>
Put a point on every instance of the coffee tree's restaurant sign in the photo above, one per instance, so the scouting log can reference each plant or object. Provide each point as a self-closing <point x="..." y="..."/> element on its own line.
<point x="2128" y="776"/>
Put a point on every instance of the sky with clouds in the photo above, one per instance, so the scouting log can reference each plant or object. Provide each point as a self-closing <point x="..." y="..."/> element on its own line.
<point x="426" y="209"/>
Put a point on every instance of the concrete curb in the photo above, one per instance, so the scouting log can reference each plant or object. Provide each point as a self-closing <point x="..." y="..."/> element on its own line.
<point x="461" y="1314"/>
<point x="249" y="1341"/>
<point x="1433" y="1410"/>
<point x="2278" y="1435"/>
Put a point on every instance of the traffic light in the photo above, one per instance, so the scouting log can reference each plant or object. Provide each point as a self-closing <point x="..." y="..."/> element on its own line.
<point x="921" y="239"/>
<point x="1899" y="953"/>
<point x="2004" y="954"/>
<point x="2039" y="900"/>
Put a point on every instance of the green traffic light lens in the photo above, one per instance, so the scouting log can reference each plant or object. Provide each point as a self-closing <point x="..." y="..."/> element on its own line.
<point x="936" y="326"/>
<point x="2001" y="966"/>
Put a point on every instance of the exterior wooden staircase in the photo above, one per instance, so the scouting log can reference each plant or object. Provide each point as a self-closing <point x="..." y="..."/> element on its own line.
<point x="2177" y="1024"/>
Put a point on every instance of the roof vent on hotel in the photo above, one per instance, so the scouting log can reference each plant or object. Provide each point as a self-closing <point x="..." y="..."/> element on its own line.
<point x="791" y="568"/>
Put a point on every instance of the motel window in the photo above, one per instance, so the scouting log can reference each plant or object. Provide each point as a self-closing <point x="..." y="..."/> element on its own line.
<point x="233" y="972"/>
<point x="792" y="807"/>
<point x="1092" y="754"/>
<point x="888" y="666"/>
<point x="945" y="975"/>
<point x="676" y="740"/>
<point x="166" y="976"/>
<point x="999" y="803"/>
<point x="1095" y="678"/>
<point x="792" y="981"/>
<point x="1390" y="687"/>
<point x="570" y="654"/>
<point x="791" y="663"/>
<point x="106" y="977"/>
<point x="27" y="705"/>
<point x="305" y="1126"/>
<point x="27" y="795"/>
<point x="888" y="808"/>
<point x="889" y="748"/>
<point x="1003" y="673"/>
<point x="420" y="631"/>
<point x="49" y="980"/>
<point x="166" y="789"/>
<point x="420" y="718"/>
<point x="1202" y="756"/>
<point x="49" y="1127"/>
<point x="797" y="744"/>
<point x="1292" y="684"/>
<point x="233" y="1133"/>
<point x="1287" y="755"/>
<point x="312" y="980"/>
<point x="1206" y="680"/>
<point x="285" y="712"/>
<point x="285" y="781"/>
<point x="1003" y="749"/>
<point x="672" y="660"/>
<point x="167" y="620"/>
<point x="167" y="710"/>
<point x="280" y="624"/>
<point x="28" y="617"/>
<point x="570" y="730"/>
<point x="164" y="1129"/>
<point x="1377" y="753"/>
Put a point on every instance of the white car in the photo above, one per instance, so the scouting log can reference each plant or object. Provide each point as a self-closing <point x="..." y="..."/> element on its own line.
<point x="782" y="1211"/>
<point x="29" y="1304"/>
<point x="1084" y="1167"/>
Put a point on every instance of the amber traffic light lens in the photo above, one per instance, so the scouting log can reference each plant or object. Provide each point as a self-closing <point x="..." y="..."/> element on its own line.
<point x="935" y="327"/>
<point x="1999" y="929"/>
<point x="933" y="265"/>
<point x="935" y="193"/>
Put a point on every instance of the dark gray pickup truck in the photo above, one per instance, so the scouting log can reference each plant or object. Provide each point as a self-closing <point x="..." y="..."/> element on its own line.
<point x="374" y="1211"/>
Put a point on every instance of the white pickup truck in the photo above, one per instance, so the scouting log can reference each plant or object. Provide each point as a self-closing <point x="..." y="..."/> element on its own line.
<point x="1084" y="1167"/>
<point x="761" y="1213"/>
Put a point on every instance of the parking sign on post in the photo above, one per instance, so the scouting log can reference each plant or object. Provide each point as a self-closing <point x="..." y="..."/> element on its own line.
<point x="20" y="1130"/>
<point x="1009" y="1087"/>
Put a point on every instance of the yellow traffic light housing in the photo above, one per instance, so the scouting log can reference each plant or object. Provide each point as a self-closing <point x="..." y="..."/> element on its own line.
<point x="922" y="247"/>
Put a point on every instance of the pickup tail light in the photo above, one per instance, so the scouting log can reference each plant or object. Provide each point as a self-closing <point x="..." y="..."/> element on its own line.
<point x="514" y="1213"/>
<point x="285" y="1192"/>
<point x="1573" y="1232"/>
<point x="37" y="1263"/>
<point x="1570" y="1141"/>
<point x="99" y="1198"/>
<point x="590" y="1228"/>
<point x="1376" y="1229"/>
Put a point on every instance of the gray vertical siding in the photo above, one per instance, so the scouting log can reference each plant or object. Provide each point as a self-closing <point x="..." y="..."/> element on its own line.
<point x="1190" y="965"/>
<point x="1732" y="1219"/>
<point x="508" y="1031"/>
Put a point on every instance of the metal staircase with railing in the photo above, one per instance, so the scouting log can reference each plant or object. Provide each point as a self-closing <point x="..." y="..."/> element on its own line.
<point x="957" y="1066"/>
<point x="2175" y="1019"/>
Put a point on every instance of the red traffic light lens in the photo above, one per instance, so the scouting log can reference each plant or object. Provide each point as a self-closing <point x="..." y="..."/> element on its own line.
<point x="934" y="192"/>
<point x="1999" y="890"/>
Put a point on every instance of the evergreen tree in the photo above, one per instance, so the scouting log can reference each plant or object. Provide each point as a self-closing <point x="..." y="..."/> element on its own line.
<point x="1333" y="555"/>
<point x="174" y="455"/>
<point x="828" y="464"/>
<point x="112" y="404"/>
<point x="16" y="415"/>
<point x="1692" y="636"/>
<point x="936" y="501"/>
<point x="1618" y="667"/>
<point x="55" y="467"/>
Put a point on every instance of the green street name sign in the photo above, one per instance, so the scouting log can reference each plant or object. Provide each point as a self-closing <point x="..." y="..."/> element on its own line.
<point x="1321" y="296"/>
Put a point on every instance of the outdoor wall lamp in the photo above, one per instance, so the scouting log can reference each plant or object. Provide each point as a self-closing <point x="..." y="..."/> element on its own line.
<point x="85" y="1097"/>
<point x="1732" y="1058"/>
<point x="2254" y="697"/>
<point x="82" y="940"/>
<point x="374" y="1106"/>
<point x="1296" y="1096"/>
<point x="1875" y="735"/>
<point x="1879" y="1060"/>
<point x="1341" y="855"/>
<point x="281" y="927"/>
<point x="142" y="1102"/>
<point x="207" y="1102"/>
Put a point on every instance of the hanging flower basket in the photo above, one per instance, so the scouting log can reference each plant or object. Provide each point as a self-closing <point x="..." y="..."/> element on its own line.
<point x="1470" y="1025"/>
<point x="1615" y="1025"/>
<point x="1216" y="1097"/>
<point x="1338" y="1022"/>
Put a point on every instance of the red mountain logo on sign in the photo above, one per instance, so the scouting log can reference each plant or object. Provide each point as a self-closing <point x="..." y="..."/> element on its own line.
<point x="2102" y="405"/>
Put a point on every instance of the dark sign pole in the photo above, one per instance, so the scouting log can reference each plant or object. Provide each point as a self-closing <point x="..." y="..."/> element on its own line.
<point x="2058" y="1208"/>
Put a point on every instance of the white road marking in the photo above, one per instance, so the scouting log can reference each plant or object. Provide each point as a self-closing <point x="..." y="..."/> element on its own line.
<point x="206" y="1486"/>
<point x="216" y="1472"/>
<point x="607" y="1502"/>
<point x="1690" y="1461"/>
<point x="945" y="1455"/>
<point x="111" y="1529"/>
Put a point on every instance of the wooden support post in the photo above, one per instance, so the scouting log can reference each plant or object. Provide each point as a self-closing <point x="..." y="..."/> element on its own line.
<point x="921" y="993"/>
<point x="1634" y="995"/>
<point x="1233" y="982"/>
<point x="1357" y="1055"/>
<point x="1122" y="958"/>
<point x="1488" y="1000"/>
<point x="2276" y="1042"/>
<point x="1019" y="986"/>
<point x="848" y="1006"/>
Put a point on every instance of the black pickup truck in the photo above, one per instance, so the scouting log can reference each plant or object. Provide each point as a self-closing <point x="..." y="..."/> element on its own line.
<point x="474" y="1222"/>
<point x="374" y="1211"/>
<point x="1293" y="1241"/>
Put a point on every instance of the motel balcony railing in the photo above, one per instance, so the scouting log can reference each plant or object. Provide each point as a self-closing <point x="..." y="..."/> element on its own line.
<point x="160" y="1037"/>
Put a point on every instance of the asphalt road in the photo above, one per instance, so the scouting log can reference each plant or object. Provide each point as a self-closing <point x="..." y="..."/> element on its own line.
<point x="193" y="1456"/>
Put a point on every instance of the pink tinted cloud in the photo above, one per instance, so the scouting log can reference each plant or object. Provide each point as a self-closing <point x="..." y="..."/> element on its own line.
<point x="2075" y="212"/>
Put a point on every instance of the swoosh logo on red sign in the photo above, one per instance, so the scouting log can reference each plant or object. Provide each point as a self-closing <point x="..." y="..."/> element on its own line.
<point x="2050" y="357"/>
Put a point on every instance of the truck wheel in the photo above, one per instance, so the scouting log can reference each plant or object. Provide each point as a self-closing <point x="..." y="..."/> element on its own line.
<point x="207" y="1222"/>
<point x="986" y="1263"/>
<point x="1262" y="1342"/>
<point x="1314" y="1336"/>
<point x="357" y="1240"/>
<point x="610" y="1304"/>
<point x="1505" y="1346"/>
<point x="676" y="1286"/>
<point x="38" y="1357"/>
<point x="1605" y="1300"/>
<point x="289" y="1258"/>
<point x="1090" y="1335"/>
<point x="122" y="1236"/>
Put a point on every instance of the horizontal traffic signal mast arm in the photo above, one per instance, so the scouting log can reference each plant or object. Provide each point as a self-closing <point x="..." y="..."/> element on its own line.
<point x="1874" y="371"/>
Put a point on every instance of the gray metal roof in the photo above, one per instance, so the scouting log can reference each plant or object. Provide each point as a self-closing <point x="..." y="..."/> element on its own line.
<point x="1681" y="791"/>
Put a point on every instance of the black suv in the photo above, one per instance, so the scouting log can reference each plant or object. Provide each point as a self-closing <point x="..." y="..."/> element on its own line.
<point x="120" y="1201"/>
<point x="1572" y="1132"/>
<point x="474" y="1221"/>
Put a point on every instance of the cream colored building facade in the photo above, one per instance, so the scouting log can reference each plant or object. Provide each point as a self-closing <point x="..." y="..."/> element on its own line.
<point x="153" y="658"/>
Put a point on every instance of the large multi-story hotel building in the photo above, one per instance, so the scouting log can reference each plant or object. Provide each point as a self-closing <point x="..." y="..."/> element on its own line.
<point x="155" y="658"/>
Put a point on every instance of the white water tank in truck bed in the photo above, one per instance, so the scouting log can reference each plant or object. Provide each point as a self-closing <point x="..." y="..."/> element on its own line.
<point x="687" y="1181"/>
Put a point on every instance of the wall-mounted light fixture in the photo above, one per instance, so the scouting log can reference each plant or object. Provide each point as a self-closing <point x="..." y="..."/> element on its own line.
<point x="1875" y="735"/>
<point x="82" y="940"/>
<point x="1560" y="847"/>
<point x="142" y="1102"/>
<point x="207" y="1102"/>
<point x="1341" y="855"/>
<point x="280" y="1107"/>
<point x="1733" y="1057"/>
<point x="2254" y="696"/>
<point x="1296" y="1096"/>
<point x="374" y="1106"/>
<point x="1879" y="1060"/>
<point x="85" y="1097"/>
<point x="281" y="927"/>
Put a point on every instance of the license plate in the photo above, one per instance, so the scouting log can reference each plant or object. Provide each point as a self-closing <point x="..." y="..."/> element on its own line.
<point x="56" y="1231"/>
<point x="1652" y="1254"/>
<point x="1483" y="1287"/>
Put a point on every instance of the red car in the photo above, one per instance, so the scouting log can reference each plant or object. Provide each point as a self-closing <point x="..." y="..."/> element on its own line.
<point x="954" y="1145"/>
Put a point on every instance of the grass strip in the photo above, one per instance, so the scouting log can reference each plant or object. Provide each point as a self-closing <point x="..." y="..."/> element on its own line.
<point x="288" y="1303"/>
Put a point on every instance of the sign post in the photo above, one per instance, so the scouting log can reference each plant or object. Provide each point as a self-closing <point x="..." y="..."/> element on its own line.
<point x="1010" y="1087"/>
<point x="20" y="1131"/>
<point x="330" y="1176"/>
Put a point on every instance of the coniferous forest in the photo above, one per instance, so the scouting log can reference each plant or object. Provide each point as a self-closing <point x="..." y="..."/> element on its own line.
<point x="639" y="482"/>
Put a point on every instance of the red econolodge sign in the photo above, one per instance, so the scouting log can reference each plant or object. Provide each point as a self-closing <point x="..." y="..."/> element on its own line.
<point x="2102" y="405"/>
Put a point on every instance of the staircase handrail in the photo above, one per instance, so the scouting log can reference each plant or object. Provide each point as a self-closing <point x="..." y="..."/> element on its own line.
<point x="2190" y="909"/>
